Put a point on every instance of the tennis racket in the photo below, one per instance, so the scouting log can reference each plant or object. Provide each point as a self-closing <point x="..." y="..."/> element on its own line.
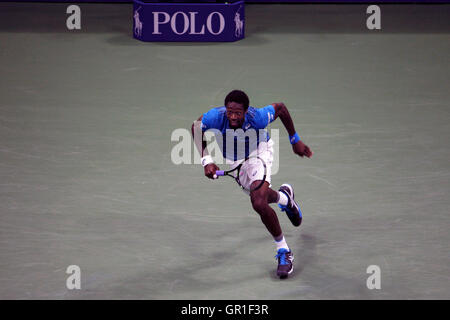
<point x="254" y="162"/>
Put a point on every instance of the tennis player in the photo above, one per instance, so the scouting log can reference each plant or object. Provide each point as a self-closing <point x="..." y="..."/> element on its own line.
<point x="236" y="116"/>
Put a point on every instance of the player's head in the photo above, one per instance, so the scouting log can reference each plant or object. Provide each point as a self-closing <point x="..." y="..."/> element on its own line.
<point x="236" y="103"/>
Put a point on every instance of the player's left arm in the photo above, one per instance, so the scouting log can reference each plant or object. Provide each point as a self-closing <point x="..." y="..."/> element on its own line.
<point x="298" y="146"/>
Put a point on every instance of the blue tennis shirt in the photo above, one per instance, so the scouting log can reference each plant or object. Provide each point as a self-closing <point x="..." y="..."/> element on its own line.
<point x="238" y="144"/>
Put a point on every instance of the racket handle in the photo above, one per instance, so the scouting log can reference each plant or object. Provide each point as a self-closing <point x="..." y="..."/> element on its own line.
<point x="220" y="173"/>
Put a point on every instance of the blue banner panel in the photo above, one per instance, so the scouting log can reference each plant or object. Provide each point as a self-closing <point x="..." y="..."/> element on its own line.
<point x="200" y="22"/>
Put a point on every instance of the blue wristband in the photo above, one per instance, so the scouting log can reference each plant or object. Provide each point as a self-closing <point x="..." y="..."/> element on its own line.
<point x="294" y="139"/>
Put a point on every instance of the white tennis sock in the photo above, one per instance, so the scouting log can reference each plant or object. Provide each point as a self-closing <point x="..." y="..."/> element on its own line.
<point x="282" y="198"/>
<point x="281" y="244"/>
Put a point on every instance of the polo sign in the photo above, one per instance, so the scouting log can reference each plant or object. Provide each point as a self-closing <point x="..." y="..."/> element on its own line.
<point x="188" y="21"/>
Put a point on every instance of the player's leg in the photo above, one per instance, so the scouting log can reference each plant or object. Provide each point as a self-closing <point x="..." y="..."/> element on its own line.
<point x="260" y="203"/>
<point x="285" y="195"/>
<point x="272" y="196"/>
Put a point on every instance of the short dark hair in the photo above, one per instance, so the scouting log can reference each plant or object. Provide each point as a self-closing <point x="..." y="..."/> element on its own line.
<point x="239" y="97"/>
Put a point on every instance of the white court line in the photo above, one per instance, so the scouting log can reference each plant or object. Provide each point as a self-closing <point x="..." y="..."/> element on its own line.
<point x="322" y="179"/>
<point x="110" y="198"/>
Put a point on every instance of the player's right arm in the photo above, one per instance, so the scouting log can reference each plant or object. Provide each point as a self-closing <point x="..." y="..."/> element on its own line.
<point x="200" y="143"/>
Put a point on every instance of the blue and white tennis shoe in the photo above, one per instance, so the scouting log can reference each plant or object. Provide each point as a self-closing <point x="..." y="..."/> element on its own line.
<point x="292" y="209"/>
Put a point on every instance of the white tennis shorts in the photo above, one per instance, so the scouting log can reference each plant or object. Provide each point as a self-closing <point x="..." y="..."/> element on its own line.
<point x="254" y="171"/>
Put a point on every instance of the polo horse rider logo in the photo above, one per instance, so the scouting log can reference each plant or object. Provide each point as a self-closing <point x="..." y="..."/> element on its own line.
<point x="239" y="23"/>
<point x="137" y="23"/>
